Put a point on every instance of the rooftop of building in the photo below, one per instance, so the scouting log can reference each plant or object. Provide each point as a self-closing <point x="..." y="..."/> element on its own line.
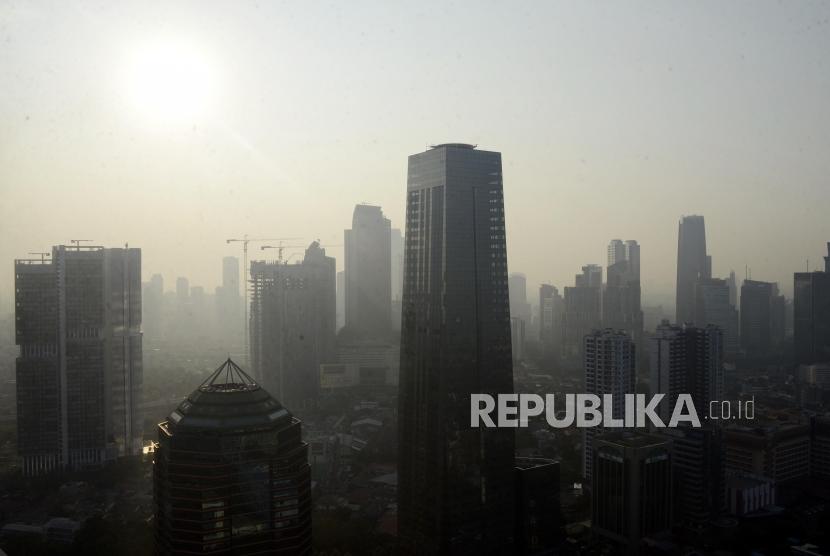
<point x="453" y="146"/>
<point x="631" y="439"/>
<point x="229" y="399"/>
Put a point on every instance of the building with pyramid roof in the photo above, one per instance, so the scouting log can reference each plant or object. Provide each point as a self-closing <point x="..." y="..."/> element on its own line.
<point x="231" y="473"/>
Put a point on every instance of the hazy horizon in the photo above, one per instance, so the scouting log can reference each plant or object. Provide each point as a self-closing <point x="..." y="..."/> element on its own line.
<point x="612" y="121"/>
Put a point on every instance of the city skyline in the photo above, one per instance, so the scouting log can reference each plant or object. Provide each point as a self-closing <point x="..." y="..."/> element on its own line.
<point x="225" y="172"/>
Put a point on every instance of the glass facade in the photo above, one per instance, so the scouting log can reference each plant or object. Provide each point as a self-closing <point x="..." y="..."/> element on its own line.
<point x="455" y="482"/>
<point x="231" y="474"/>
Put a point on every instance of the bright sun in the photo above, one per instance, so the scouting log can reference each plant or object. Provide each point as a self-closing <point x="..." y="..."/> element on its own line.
<point x="169" y="83"/>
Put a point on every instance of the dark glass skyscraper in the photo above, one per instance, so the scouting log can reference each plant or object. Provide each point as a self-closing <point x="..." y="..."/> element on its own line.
<point x="811" y="320"/>
<point x="693" y="264"/>
<point x="231" y="473"/>
<point x="455" y="482"/>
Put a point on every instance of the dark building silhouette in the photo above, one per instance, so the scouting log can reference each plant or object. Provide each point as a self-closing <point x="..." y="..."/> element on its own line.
<point x="811" y="314"/>
<point x="689" y="360"/>
<point x="231" y="473"/>
<point x="762" y="317"/>
<point x="713" y="306"/>
<point x="621" y="307"/>
<point x="368" y="273"/>
<point x="631" y="494"/>
<point x="693" y="264"/>
<point x="551" y="307"/>
<point x="229" y="304"/>
<point x="293" y="325"/>
<point x="79" y="372"/>
<point x="610" y="366"/>
<point x="538" y="518"/>
<point x="582" y="312"/>
<point x="455" y="488"/>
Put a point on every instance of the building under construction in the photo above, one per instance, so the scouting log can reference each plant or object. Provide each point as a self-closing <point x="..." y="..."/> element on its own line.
<point x="293" y="325"/>
<point x="79" y="372"/>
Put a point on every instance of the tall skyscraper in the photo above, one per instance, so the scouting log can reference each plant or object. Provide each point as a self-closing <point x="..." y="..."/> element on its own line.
<point x="455" y="487"/>
<point x="520" y="312"/>
<point x="582" y="312"/>
<point x="249" y="489"/>
<point x="713" y="306"/>
<point x="551" y="307"/>
<point x="757" y="300"/>
<point x="631" y="493"/>
<point x="610" y="368"/>
<point x="811" y="314"/>
<point x="732" y="282"/>
<point x="693" y="264"/>
<point x="621" y="307"/>
<point x="229" y="305"/>
<point x="293" y="325"/>
<point x="368" y="268"/>
<point x="688" y="360"/>
<point x="79" y="373"/>
<point x="152" y="308"/>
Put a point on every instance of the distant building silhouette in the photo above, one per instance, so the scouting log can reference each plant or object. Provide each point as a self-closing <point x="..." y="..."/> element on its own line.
<point x="621" y="307"/>
<point x="229" y="302"/>
<point x="811" y="315"/>
<point x="79" y="372"/>
<point x="693" y="264"/>
<point x="520" y="310"/>
<point x="368" y="273"/>
<point x="397" y="277"/>
<point x="610" y="368"/>
<point x="631" y="490"/>
<point x="762" y="317"/>
<point x="231" y="473"/>
<point x="551" y="309"/>
<point x="713" y="306"/>
<point x="293" y="325"/>
<point x="583" y="311"/>
<point x="456" y="483"/>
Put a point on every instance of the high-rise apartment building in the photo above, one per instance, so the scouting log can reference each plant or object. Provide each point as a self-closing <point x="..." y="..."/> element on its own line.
<point x="293" y="325"/>
<point x="231" y="473"/>
<point x="79" y="372"/>
<point x="368" y="273"/>
<point x="693" y="264"/>
<point x="456" y="483"/>
<point x="688" y="360"/>
<point x="610" y="368"/>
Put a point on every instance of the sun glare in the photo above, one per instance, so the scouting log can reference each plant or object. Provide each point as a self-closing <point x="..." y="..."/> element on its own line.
<point x="169" y="83"/>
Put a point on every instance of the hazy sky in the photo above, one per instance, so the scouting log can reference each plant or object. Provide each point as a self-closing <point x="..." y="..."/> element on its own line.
<point x="173" y="126"/>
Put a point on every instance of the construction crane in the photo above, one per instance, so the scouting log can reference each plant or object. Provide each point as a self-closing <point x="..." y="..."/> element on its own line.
<point x="77" y="242"/>
<point x="245" y="240"/>
<point x="43" y="255"/>
<point x="280" y="248"/>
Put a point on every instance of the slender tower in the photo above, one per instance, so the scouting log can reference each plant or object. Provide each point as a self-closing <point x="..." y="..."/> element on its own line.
<point x="693" y="264"/>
